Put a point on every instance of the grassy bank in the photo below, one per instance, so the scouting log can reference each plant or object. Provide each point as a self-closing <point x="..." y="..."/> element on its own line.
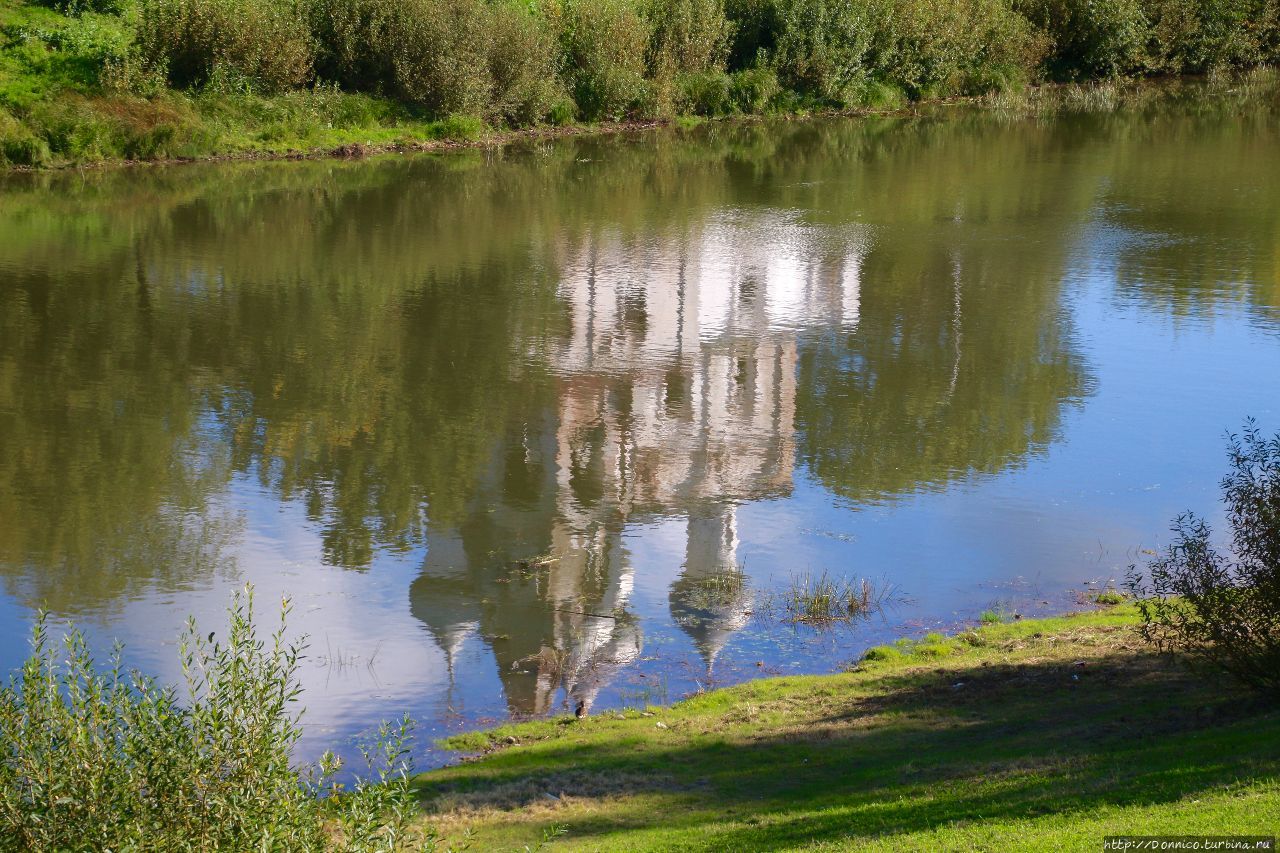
<point x="1041" y="734"/>
<point x="91" y="80"/>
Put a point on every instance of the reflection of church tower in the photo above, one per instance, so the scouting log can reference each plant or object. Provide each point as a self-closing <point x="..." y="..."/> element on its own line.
<point x="447" y="604"/>
<point x="593" y="634"/>
<point x="711" y="600"/>
<point x="674" y="390"/>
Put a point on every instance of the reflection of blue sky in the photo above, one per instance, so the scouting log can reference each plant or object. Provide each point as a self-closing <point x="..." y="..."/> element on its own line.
<point x="15" y="622"/>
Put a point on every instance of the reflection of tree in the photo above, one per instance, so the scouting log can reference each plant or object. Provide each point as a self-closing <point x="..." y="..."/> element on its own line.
<point x="1193" y="209"/>
<point x="510" y="358"/>
<point x="957" y="366"/>
<point x="963" y="357"/>
<point x="105" y="473"/>
<point x="444" y="353"/>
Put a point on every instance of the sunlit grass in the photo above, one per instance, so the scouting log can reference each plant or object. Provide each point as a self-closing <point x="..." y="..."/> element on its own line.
<point x="1029" y="734"/>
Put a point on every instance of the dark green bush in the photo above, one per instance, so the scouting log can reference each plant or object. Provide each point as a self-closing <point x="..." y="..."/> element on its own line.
<point x="355" y="43"/>
<point x="1198" y="36"/>
<point x="258" y="45"/>
<point x="709" y="93"/>
<point x="439" y="49"/>
<point x="523" y="60"/>
<point x="755" y="26"/>
<point x="844" y="52"/>
<point x="1224" y="611"/>
<point x="821" y="47"/>
<point x="605" y="46"/>
<point x="562" y="112"/>
<point x="1090" y="38"/>
<point x="19" y="146"/>
<point x="752" y="90"/>
<point x="687" y="36"/>
<point x="80" y="7"/>
<point x="450" y="56"/>
<point x="933" y="48"/>
<point x="689" y="40"/>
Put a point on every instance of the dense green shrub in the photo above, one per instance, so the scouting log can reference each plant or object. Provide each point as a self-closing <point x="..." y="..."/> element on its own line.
<point x="450" y="56"/>
<point x="1206" y="35"/>
<point x="1224" y="611"/>
<point x="935" y="48"/>
<point x="354" y="43"/>
<point x="259" y="45"/>
<point x="605" y="45"/>
<point x="687" y="36"/>
<point x="755" y="27"/>
<point x="844" y="52"/>
<point x="709" y="93"/>
<point x="104" y="759"/>
<point x="1091" y="38"/>
<point x="821" y="47"/>
<point x="752" y="90"/>
<point x="18" y="145"/>
<point x="689" y="40"/>
<point x="80" y="7"/>
<point x="439" y="51"/>
<point x="523" y="60"/>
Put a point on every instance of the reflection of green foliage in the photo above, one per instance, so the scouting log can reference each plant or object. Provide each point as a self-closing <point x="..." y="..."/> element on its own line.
<point x="105" y="469"/>
<point x="371" y="339"/>
<point x="962" y="359"/>
<point x="1199" y="238"/>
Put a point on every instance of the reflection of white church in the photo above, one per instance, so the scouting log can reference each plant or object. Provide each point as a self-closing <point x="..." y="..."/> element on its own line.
<point x="675" y="393"/>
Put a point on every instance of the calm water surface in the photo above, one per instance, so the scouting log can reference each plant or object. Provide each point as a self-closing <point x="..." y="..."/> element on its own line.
<point x="517" y="429"/>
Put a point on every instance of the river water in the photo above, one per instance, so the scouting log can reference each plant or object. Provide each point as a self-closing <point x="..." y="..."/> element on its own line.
<point x="525" y="428"/>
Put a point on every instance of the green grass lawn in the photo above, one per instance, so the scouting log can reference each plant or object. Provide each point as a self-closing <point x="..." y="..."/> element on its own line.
<point x="1041" y="735"/>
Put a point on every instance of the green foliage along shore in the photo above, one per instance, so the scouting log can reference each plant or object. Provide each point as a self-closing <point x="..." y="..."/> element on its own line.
<point x="101" y="758"/>
<point x="85" y="80"/>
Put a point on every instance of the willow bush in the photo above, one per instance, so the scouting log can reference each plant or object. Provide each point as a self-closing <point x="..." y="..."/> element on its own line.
<point x="937" y="48"/>
<point x="1091" y="38"/>
<point x="100" y="758"/>
<point x="258" y="45"/>
<point x="356" y="43"/>
<point x="822" y="49"/>
<point x="605" y="43"/>
<point x="1223" y="610"/>
<point x="521" y="62"/>
<point x="524" y="64"/>
<point x="1201" y="36"/>
<point x="687" y="36"/>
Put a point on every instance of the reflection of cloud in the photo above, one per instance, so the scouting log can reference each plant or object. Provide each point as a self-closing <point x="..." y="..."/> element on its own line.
<point x="638" y="305"/>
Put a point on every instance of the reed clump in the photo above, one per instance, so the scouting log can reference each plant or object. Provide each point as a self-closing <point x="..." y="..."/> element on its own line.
<point x="823" y="598"/>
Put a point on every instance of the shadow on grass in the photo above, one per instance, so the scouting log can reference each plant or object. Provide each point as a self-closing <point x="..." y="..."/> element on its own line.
<point x="921" y="750"/>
